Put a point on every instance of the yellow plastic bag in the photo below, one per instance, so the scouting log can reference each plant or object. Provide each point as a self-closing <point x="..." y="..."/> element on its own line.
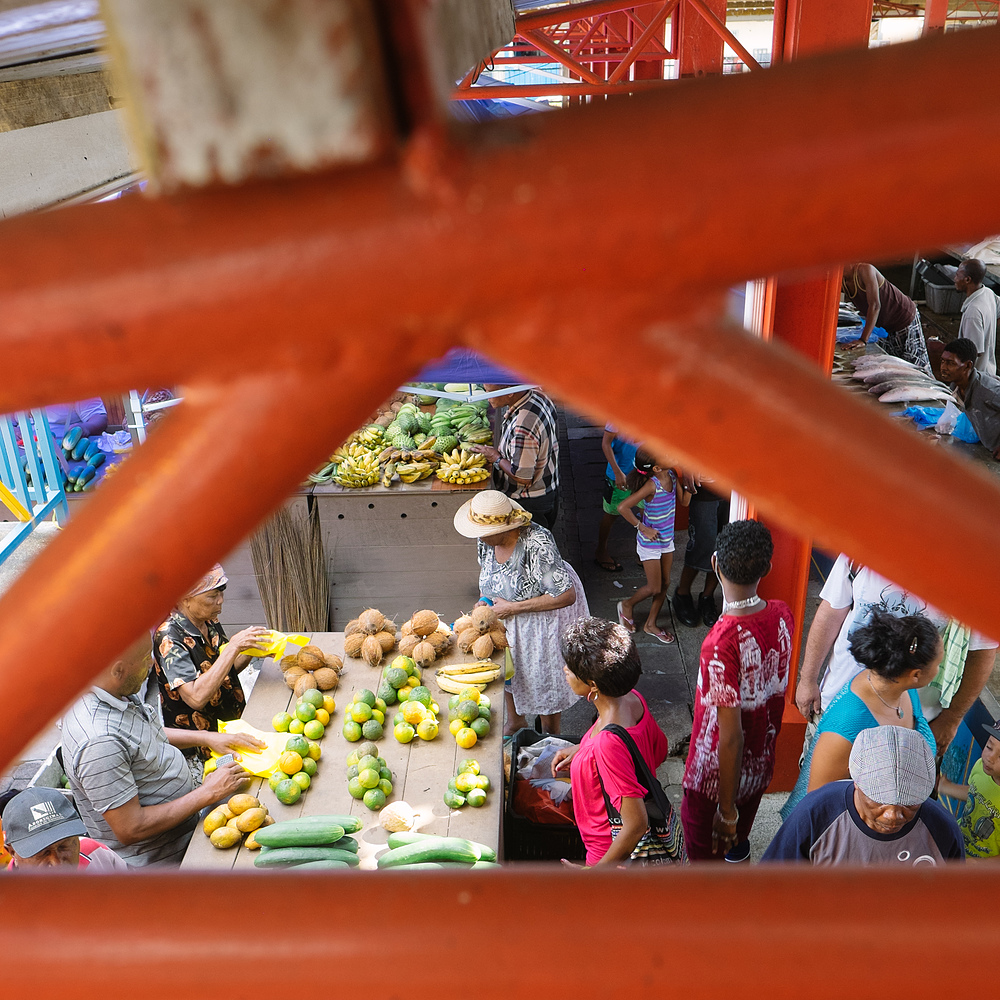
<point x="261" y="763"/>
<point x="508" y="668"/>
<point x="276" y="645"/>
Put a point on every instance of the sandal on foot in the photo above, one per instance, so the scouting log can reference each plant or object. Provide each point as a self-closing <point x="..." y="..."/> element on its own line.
<point x="667" y="638"/>
<point x="609" y="565"/>
<point x="622" y="620"/>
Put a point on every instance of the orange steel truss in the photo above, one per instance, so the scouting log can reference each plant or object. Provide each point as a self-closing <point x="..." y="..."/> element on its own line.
<point x="599" y="42"/>
<point x="290" y="310"/>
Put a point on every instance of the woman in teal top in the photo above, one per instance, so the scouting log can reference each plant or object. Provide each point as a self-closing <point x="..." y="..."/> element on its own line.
<point x="899" y="655"/>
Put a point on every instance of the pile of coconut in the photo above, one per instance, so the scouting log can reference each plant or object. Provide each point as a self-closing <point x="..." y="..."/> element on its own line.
<point x="425" y="638"/>
<point x="481" y="633"/>
<point x="310" y="668"/>
<point x="369" y="637"/>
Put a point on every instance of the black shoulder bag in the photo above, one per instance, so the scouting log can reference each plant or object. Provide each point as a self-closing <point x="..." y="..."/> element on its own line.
<point x="663" y="841"/>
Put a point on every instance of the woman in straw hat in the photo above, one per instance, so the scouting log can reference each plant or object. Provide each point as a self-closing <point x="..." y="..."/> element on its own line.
<point x="535" y="592"/>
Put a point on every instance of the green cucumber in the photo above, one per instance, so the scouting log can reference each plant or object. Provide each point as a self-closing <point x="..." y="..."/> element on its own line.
<point x="72" y="438"/>
<point x="319" y="864"/>
<point x="301" y="833"/>
<point x="92" y="449"/>
<point x="436" y="849"/>
<point x="80" y="449"/>
<point x="346" y="844"/>
<point x="97" y="459"/>
<point x="404" y="838"/>
<point x="280" y="857"/>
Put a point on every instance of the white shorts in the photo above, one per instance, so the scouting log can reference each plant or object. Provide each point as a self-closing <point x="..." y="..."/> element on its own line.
<point x="648" y="551"/>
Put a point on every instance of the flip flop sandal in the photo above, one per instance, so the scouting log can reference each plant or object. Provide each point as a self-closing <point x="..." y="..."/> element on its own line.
<point x="610" y="566"/>
<point x="667" y="638"/>
<point x="622" y="620"/>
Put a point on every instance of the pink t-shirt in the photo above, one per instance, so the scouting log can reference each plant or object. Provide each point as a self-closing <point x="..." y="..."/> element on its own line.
<point x="607" y="752"/>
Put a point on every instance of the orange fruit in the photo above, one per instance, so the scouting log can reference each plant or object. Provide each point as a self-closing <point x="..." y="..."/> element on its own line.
<point x="329" y="705"/>
<point x="413" y="712"/>
<point x="290" y="762"/>
<point x="322" y="716"/>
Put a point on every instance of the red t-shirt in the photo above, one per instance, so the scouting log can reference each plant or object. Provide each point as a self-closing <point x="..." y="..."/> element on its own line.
<point x="744" y="663"/>
<point x="607" y="752"/>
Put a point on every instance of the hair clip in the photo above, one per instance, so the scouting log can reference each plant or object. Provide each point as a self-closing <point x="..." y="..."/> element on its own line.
<point x="913" y="646"/>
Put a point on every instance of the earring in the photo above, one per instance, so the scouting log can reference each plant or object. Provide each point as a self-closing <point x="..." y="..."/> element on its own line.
<point x="595" y="693"/>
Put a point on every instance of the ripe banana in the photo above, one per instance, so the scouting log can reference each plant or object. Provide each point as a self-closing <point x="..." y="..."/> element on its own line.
<point x="452" y="686"/>
<point x="480" y="666"/>
<point x="357" y="472"/>
<point x="483" y="677"/>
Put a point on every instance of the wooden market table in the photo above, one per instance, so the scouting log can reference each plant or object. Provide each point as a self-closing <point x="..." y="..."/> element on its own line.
<point x="385" y="548"/>
<point x="420" y="770"/>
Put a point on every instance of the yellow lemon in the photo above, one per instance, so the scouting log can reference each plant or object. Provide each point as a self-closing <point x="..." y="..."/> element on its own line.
<point x="465" y="738"/>
<point x="413" y="712"/>
<point x="403" y="732"/>
<point x="469" y="694"/>
<point x="427" y="729"/>
<point x="315" y="750"/>
<point x="455" y="726"/>
<point x="329" y="705"/>
<point x="378" y="715"/>
<point x="465" y="782"/>
<point x="412" y="682"/>
<point x="361" y="711"/>
<point x="322" y="716"/>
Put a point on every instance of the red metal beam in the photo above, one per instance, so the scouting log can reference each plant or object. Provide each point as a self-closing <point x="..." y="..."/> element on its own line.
<point x="552" y="16"/>
<point x="724" y="33"/>
<point x="560" y="55"/>
<point x="117" y="930"/>
<point x="556" y="89"/>
<point x="935" y="16"/>
<point x="648" y="33"/>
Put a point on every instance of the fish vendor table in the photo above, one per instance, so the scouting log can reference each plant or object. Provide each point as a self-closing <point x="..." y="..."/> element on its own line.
<point x="420" y="770"/>
<point x="388" y="548"/>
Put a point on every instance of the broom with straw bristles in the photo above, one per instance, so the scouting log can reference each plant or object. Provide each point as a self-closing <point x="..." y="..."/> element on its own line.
<point x="290" y="566"/>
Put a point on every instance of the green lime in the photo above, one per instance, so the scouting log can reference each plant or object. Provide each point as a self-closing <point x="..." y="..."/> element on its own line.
<point x="360" y="711"/>
<point x="313" y="697"/>
<point x="351" y="731"/>
<point x="453" y="701"/>
<point x="467" y="710"/>
<point x="481" y="727"/>
<point x="366" y="697"/>
<point x="465" y="782"/>
<point x="369" y="760"/>
<point x="384" y="772"/>
<point x="398" y="718"/>
<point x="387" y="695"/>
<point x="454" y="800"/>
<point x="403" y="693"/>
<point x="280" y="722"/>
<point x="395" y="678"/>
<point x="421" y="694"/>
<point x="483" y="700"/>
<point x="452" y="787"/>
<point x="276" y="778"/>
<point x="298" y="744"/>
<point x="314" y="730"/>
<point x="484" y="712"/>
<point x="353" y="757"/>
<point x="380" y="703"/>
<point x="296" y="726"/>
<point x="352" y="771"/>
<point x="305" y="712"/>
<point x="385" y="787"/>
<point x="288" y="791"/>
<point x="404" y="663"/>
<point x="356" y="789"/>
<point x="404" y="732"/>
<point x="453" y="714"/>
<point x="302" y="779"/>
<point x="369" y="777"/>
<point x="309" y="766"/>
<point x="372" y="730"/>
<point x="367" y="749"/>
<point x="411" y="668"/>
<point x="382" y="762"/>
<point x="374" y="798"/>
<point x="469" y="765"/>
<point x="476" y="798"/>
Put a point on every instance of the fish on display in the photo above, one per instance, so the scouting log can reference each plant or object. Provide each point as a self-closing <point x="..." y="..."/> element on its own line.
<point x="912" y="394"/>
<point x="884" y="364"/>
<point x="900" y="383"/>
<point x="887" y="375"/>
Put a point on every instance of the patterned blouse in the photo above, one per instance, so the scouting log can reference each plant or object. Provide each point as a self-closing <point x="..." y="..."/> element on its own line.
<point x="180" y="655"/>
<point x="535" y="567"/>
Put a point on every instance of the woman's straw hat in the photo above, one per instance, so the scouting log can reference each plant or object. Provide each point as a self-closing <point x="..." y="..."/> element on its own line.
<point x="489" y="513"/>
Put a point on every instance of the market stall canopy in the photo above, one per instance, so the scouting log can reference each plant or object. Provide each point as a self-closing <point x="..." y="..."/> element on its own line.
<point x="460" y="366"/>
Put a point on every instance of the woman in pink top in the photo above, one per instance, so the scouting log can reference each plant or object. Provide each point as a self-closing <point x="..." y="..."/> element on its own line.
<point x="602" y="664"/>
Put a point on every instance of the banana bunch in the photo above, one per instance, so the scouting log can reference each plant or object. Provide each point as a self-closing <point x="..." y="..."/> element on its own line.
<point x="478" y="675"/>
<point x="422" y="454"/>
<point x="358" y="471"/>
<point x="369" y="437"/>
<point x="462" y="467"/>
<point x="350" y="450"/>
<point x="413" y="471"/>
<point x="477" y="435"/>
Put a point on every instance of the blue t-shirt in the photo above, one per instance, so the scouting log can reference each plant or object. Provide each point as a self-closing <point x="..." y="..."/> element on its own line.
<point x="847" y="716"/>
<point x="826" y="829"/>
<point x="624" y="452"/>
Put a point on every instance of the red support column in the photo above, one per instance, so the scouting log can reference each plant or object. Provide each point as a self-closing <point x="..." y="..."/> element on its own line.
<point x="700" y="46"/>
<point x="805" y="318"/>
<point x="935" y="15"/>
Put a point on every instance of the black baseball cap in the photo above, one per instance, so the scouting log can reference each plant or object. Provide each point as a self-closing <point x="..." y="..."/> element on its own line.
<point x="38" y="818"/>
<point x="993" y="730"/>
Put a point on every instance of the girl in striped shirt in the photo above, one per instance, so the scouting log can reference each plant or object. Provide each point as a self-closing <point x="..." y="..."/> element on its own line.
<point x="658" y="489"/>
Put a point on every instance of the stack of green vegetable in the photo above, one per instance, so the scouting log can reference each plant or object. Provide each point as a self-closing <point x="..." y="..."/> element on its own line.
<point x="415" y="851"/>
<point x="309" y="842"/>
<point x="83" y="457"/>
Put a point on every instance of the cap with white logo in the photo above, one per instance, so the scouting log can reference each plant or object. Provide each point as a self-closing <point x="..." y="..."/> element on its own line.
<point x="38" y="818"/>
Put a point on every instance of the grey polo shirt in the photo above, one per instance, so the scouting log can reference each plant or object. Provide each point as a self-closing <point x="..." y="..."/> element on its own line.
<point x="982" y="406"/>
<point x="115" y="749"/>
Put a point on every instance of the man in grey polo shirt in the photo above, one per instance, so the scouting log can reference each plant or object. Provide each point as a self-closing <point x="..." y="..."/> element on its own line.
<point x="131" y="783"/>
<point x="884" y="815"/>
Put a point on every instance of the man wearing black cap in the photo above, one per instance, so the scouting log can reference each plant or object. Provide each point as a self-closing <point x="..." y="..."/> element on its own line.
<point x="883" y="816"/>
<point x="43" y="830"/>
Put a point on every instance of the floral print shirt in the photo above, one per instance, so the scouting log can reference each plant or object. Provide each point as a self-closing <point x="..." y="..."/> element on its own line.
<point x="180" y="655"/>
<point x="535" y="567"/>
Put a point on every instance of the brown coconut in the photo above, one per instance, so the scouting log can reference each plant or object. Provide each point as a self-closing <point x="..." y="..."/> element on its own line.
<point x="387" y="639"/>
<point x="371" y="651"/>
<point x="305" y="683"/>
<point x="287" y="662"/>
<point x="499" y="637"/>
<point x="372" y="621"/>
<point x="440" y="640"/>
<point x="311" y="657"/>
<point x="467" y="638"/>
<point x="482" y="648"/>
<point x="408" y="644"/>
<point x="326" y="679"/>
<point x="294" y="672"/>
<point x="354" y="625"/>
<point x="484" y="618"/>
<point x="407" y="628"/>
<point x="334" y="662"/>
<point x="462" y="624"/>
<point x="424" y="622"/>
<point x="423" y="654"/>
<point x="353" y="644"/>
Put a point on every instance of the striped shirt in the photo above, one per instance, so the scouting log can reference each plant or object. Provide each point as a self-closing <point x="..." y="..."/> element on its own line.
<point x="115" y="749"/>
<point x="529" y="440"/>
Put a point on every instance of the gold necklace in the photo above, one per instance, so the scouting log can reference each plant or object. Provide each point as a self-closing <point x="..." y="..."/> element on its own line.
<point x="897" y="709"/>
